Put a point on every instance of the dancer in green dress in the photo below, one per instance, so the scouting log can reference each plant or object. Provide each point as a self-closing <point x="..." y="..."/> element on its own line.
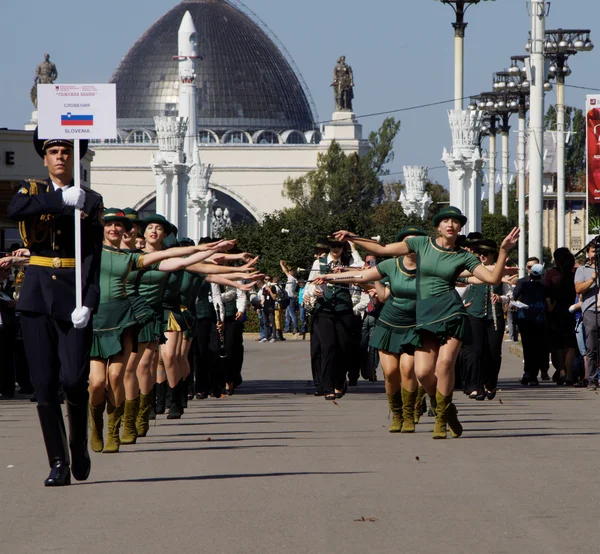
<point x="442" y="320"/>
<point x="395" y="329"/>
<point x="113" y="322"/>
<point x="169" y="315"/>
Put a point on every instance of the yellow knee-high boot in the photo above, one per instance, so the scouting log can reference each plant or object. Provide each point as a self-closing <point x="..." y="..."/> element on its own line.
<point x="130" y="413"/>
<point x="96" y="419"/>
<point x="395" y="404"/>
<point x="115" y="415"/>
<point x="408" y="410"/>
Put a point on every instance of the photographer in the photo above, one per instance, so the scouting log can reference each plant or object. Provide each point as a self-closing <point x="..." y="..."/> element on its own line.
<point x="291" y="316"/>
<point x="268" y="296"/>
<point x="586" y="285"/>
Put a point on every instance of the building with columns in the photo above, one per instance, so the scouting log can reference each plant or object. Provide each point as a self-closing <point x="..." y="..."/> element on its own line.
<point x="213" y="118"/>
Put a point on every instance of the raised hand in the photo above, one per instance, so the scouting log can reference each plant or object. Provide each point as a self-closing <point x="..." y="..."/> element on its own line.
<point x="344" y="236"/>
<point x="250" y="265"/>
<point x="511" y="239"/>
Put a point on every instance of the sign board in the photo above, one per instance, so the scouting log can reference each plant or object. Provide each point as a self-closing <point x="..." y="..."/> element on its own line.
<point x="77" y="111"/>
<point x="593" y="163"/>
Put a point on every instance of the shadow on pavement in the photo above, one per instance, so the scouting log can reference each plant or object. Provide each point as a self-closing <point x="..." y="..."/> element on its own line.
<point x="222" y="476"/>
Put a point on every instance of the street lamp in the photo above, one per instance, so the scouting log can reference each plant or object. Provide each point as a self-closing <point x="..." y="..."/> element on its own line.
<point x="559" y="45"/>
<point x="459" y="7"/>
<point x="519" y="74"/>
<point x="486" y="104"/>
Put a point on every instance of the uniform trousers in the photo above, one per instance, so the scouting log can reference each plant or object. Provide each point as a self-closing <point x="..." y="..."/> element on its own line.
<point x="203" y="368"/>
<point x="535" y="353"/>
<point x="57" y="353"/>
<point x="229" y="368"/>
<point x="485" y="352"/>
<point x="8" y="335"/>
<point x="331" y="348"/>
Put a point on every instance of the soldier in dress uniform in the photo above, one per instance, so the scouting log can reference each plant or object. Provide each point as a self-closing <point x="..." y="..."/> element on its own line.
<point x="56" y="334"/>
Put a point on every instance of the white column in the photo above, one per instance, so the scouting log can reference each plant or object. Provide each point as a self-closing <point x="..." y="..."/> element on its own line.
<point x="536" y="128"/>
<point x="492" y="172"/>
<point x="521" y="193"/>
<point x="505" y="158"/>
<point x="560" y="161"/>
<point x="459" y="62"/>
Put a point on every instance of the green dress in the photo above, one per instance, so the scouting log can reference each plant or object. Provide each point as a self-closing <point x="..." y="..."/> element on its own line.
<point x="439" y="307"/>
<point x="143" y="311"/>
<point x="395" y="330"/>
<point x="115" y="313"/>
<point x="150" y="284"/>
<point x="174" y="318"/>
<point x="190" y="287"/>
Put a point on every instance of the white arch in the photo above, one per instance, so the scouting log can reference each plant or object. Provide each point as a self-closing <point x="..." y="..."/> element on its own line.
<point x="228" y="133"/>
<point x="313" y="137"/>
<point x="259" y="134"/>
<point x="254" y="211"/>
<point x="211" y="133"/>
<point x="287" y="135"/>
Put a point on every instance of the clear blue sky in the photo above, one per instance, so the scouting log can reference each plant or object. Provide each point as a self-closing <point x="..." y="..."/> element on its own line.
<point x="401" y="52"/>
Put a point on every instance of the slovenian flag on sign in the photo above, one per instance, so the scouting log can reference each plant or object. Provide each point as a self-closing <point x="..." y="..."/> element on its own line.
<point x="71" y="120"/>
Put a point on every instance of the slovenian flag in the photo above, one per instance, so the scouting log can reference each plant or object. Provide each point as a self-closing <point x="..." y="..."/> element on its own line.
<point x="71" y="120"/>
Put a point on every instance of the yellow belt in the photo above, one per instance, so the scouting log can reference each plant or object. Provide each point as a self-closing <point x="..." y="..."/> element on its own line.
<point x="52" y="262"/>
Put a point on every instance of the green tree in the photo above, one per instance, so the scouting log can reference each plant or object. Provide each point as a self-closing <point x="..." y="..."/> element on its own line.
<point x="440" y="197"/>
<point x="345" y="183"/>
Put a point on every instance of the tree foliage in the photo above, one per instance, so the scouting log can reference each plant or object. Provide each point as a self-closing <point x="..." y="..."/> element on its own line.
<point x="343" y="192"/>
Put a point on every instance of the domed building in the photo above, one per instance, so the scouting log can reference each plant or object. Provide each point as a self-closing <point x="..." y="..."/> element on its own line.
<point x="212" y="118"/>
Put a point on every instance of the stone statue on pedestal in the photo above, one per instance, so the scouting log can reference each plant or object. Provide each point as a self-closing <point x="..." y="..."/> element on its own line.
<point x="45" y="74"/>
<point x="343" y="86"/>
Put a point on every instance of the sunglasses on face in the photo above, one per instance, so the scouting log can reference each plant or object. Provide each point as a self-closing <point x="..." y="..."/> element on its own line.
<point x="529" y="267"/>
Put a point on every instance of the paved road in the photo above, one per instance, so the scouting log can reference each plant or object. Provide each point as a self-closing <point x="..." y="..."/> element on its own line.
<point x="274" y="470"/>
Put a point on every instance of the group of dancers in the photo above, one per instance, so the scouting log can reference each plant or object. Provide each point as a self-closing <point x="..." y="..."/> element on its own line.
<point x="423" y="323"/>
<point x="123" y="345"/>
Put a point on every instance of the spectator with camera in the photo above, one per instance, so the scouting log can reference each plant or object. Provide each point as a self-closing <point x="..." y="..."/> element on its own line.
<point x="291" y="314"/>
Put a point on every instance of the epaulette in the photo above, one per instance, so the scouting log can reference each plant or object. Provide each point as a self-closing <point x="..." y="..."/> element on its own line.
<point x="38" y="181"/>
<point x="33" y="185"/>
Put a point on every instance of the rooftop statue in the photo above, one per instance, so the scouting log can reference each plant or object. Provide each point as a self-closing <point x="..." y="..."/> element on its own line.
<point x="343" y="85"/>
<point x="45" y="74"/>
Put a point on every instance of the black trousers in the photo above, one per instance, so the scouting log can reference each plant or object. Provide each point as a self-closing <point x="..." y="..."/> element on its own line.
<point x="485" y="352"/>
<point x="57" y="353"/>
<point x="354" y="358"/>
<point x="203" y="366"/>
<point x="228" y="369"/>
<point x="8" y="335"/>
<point x="535" y="353"/>
<point x="333" y="343"/>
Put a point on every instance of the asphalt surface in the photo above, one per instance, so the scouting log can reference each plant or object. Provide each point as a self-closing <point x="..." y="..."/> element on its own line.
<point x="275" y="470"/>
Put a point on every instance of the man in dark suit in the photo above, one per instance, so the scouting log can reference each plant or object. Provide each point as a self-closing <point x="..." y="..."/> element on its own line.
<point x="57" y="335"/>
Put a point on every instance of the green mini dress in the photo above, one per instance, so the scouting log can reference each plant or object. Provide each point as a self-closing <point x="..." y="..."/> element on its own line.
<point x="395" y="330"/>
<point x="174" y="318"/>
<point x="143" y="311"/>
<point x="440" y="310"/>
<point x="115" y="313"/>
<point x="150" y="284"/>
<point x="190" y="287"/>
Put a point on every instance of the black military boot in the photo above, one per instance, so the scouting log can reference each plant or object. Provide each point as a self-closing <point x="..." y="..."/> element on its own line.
<point x="55" y="439"/>
<point x="161" y="397"/>
<point x="175" y="409"/>
<point x="78" y="439"/>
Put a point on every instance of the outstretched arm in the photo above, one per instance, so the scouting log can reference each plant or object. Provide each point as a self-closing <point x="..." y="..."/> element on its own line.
<point x="365" y="276"/>
<point x="390" y="250"/>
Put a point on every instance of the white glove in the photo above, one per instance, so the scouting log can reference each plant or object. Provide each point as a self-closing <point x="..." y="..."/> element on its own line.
<point x="80" y="317"/>
<point x="517" y="304"/>
<point x="73" y="197"/>
<point x="572" y="309"/>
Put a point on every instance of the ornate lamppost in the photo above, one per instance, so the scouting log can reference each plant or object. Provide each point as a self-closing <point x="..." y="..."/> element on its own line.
<point x="489" y="127"/>
<point x="559" y="45"/>
<point x="464" y="161"/>
<point x="459" y="7"/>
